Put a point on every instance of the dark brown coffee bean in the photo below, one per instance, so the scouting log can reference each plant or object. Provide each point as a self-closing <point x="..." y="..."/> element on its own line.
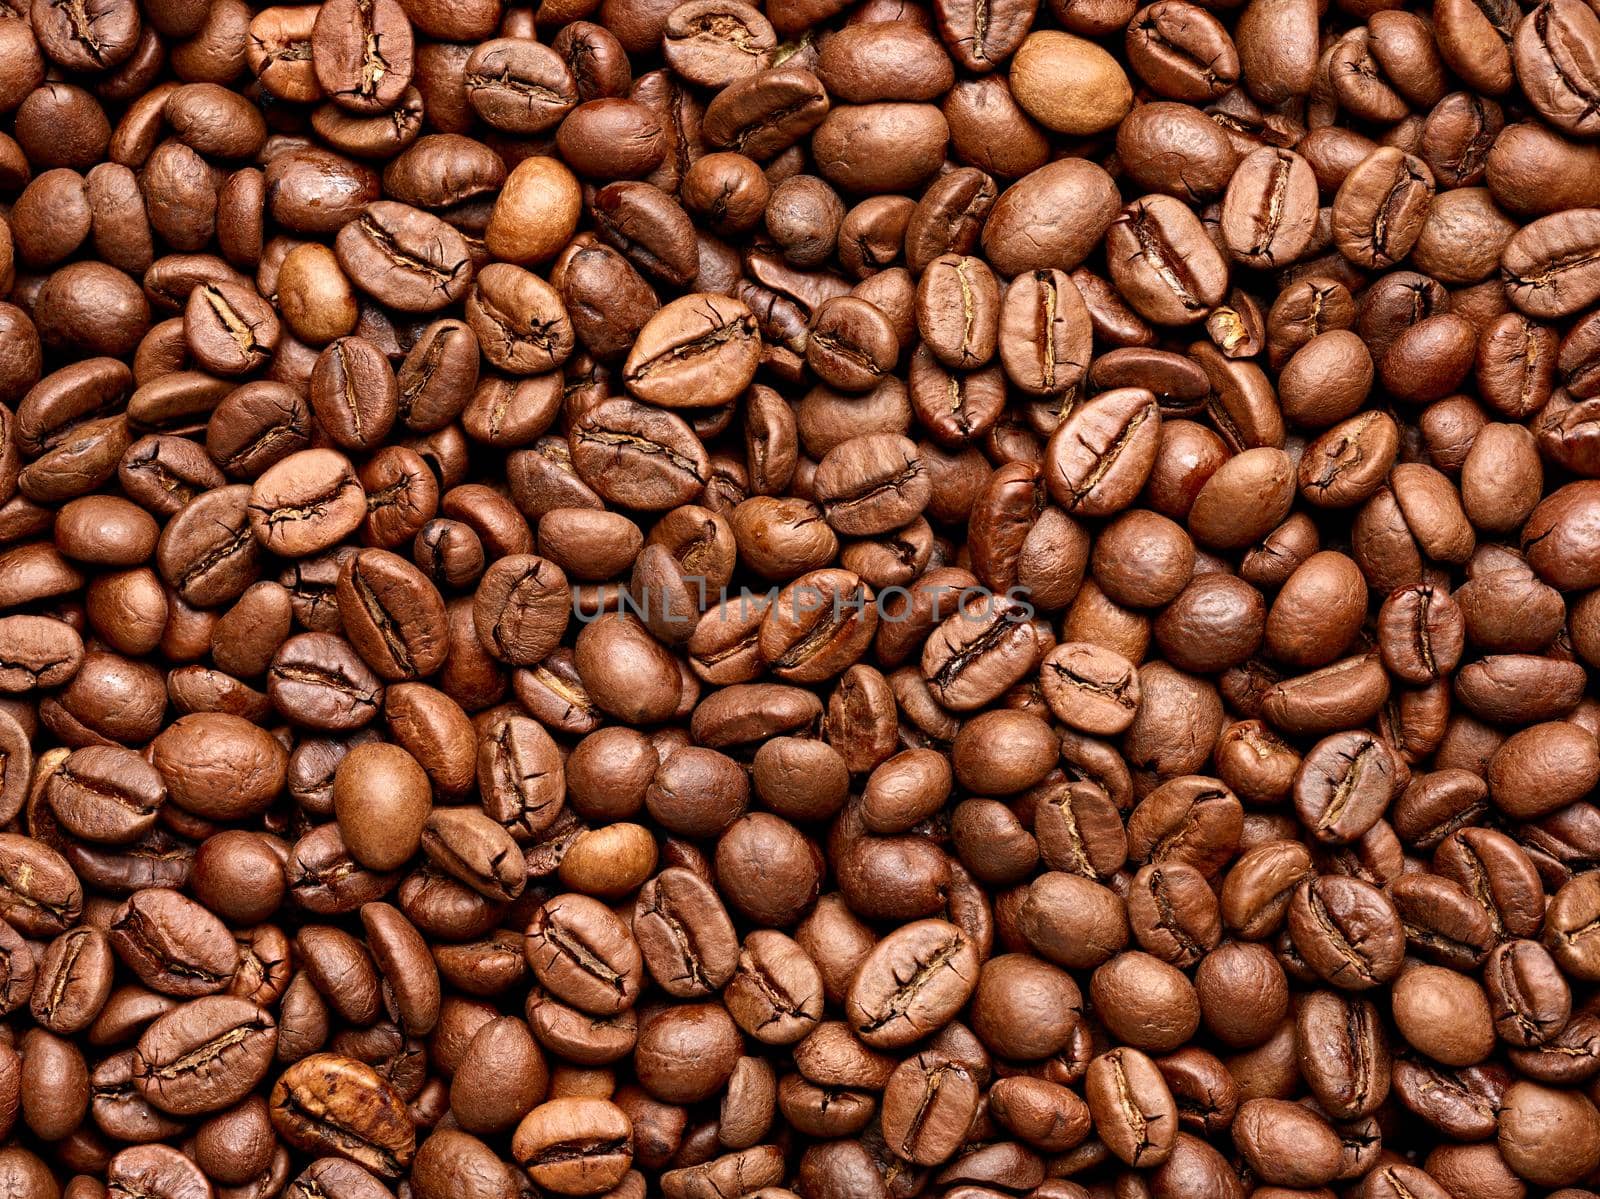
<point x="1346" y="930"/>
<point x="173" y="944"/>
<point x="205" y="1055"/>
<point x="912" y="983"/>
<point x="155" y="1170"/>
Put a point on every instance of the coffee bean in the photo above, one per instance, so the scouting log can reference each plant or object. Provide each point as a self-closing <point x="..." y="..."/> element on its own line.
<point x="1285" y="1143"/>
<point x="475" y="850"/>
<point x="1346" y="1052"/>
<point x="911" y="983"/>
<point x="1239" y="682"/>
<point x="575" y="1146"/>
<point x="306" y="502"/>
<point x="698" y="351"/>
<point x="1347" y="931"/>
<point x="1343" y="786"/>
<point x="155" y="1170"/>
<point x="173" y="944"/>
<point x="684" y="934"/>
<point x="229" y="328"/>
<point x="584" y="954"/>
<point x="1132" y="1106"/>
<point x="405" y="258"/>
<point x="205" y="1055"/>
<point x="362" y="54"/>
<point x="775" y="994"/>
<point x="1269" y="212"/>
<point x="318" y="680"/>
<point x="928" y="1105"/>
<point x="328" y="1103"/>
<point x="669" y="464"/>
<point x="519" y="85"/>
<point x="1026" y="230"/>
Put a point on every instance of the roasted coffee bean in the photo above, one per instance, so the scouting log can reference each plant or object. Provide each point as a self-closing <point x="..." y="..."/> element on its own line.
<point x="667" y="463"/>
<point x="306" y="503"/>
<point x="205" y="1055"/>
<point x="1344" y="1053"/>
<point x="1285" y="1143"/>
<point x="928" y="1106"/>
<point x="207" y="552"/>
<point x="911" y="983"/>
<point x="684" y="934"/>
<point x="1343" y="786"/>
<point x="154" y="1170"/>
<point x="318" y="680"/>
<point x="584" y="954"/>
<point x="1269" y="213"/>
<point x="326" y="1103"/>
<point x="1237" y="682"/>
<point x="520" y="86"/>
<point x="575" y="1145"/>
<point x="1347" y="931"/>
<point x="74" y="981"/>
<point x="173" y="944"/>
<point x="475" y="850"/>
<point x="1102" y="453"/>
<point x="404" y="257"/>
<point x="1132" y="1107"/>
<point x="776" y="993"/>
<point x="106" y="795"/>
<point x="362" y="54"/>
<point x="1163" y="263"/>
<point x="354" y="393"/>
<point x="871" y="484"/>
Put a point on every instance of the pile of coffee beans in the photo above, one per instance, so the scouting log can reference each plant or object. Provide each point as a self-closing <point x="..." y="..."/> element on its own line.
<point x="858" y="599"/>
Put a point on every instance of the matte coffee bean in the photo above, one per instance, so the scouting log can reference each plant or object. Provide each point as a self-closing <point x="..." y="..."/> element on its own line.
<point x="928" y="1105"/>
